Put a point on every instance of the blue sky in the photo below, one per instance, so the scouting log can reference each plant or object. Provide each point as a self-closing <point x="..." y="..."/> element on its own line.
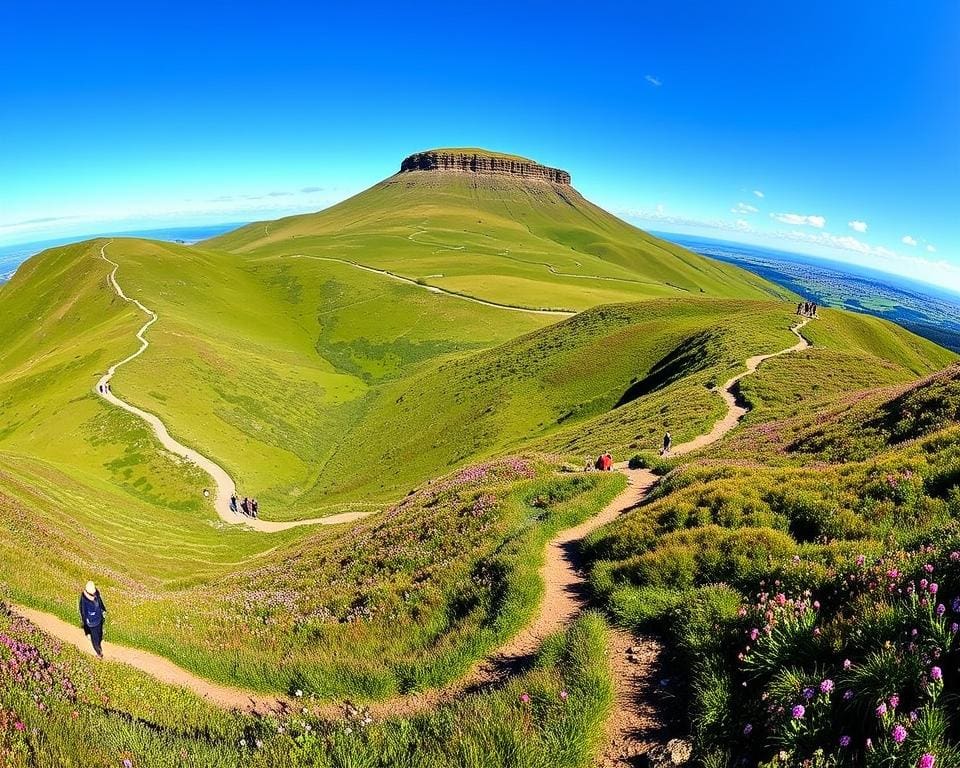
<point x="831" y="128"/>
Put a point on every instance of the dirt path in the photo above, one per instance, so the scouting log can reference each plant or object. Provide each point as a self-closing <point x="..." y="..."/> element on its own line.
<point x="156" y="666"/>
<point x="635" y="662"/>
<point x="435" y="289"/>
<point x="223" y="483"/>
<point x="565" y="596"/>
<point x="565" y="588"/>
<point x="735" y="411"/>
<point x="638" y="722"/>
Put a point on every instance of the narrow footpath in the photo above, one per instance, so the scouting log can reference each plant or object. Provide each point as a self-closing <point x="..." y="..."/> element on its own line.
<point x="224" y="486"/>
<point x="435" y="289"/>
<point x="635" y="661"/>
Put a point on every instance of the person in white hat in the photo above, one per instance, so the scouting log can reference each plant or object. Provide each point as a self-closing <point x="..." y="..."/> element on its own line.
<point x="92" y="612"/>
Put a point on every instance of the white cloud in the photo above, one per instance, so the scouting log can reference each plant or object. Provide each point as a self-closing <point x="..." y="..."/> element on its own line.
<point x="742" y="208"/>
<point x="653" y="80"/>
<point x="907" y="240"/>
<point x="931" y="249"/>
<point x="797" y="218"/>
<point x="857" y="226"/>
<point x="936" y="272"/>
<point x="758" y="193"/>
<point x="149" y="214"/>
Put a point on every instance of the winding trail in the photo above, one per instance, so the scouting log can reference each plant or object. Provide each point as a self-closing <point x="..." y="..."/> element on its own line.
<point x="636" y="721"/>
<point x="435" y="289"/>
<point x="223" y="483"/>
<point x="736" y="411"/>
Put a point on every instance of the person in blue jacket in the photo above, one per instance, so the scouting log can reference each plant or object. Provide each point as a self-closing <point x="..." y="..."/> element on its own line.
<point x="92" y="612"/>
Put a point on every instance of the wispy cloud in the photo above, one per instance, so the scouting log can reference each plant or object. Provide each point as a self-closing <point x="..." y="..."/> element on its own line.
<point x="758" y="193"/>
<point x="29" y="222"/>
<point x="907" y="240"/>
<point x="936" y="271"/>
<point x="930" y="248"/>
<point x="309" y="190"/>
<point x="654" y="81"/>
<point x="798" y="219"/>
<point x="742" y="208"/>
<point x="857" y="226"/>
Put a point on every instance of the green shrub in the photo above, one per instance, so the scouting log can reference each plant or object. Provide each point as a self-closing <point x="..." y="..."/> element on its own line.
<point x="702" y="622"/>
<point x="642" y="608"/>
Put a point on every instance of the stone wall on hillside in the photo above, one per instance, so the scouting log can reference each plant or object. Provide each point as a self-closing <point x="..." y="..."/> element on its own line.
<point x="469" y="162"/>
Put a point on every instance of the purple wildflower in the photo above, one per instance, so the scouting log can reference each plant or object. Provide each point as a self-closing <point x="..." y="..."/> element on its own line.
<point x="798" y="711"/>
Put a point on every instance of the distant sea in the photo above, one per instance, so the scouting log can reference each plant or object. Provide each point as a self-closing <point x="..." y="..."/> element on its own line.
<point x="927" y="310"/>
<point x="12" y="256"/>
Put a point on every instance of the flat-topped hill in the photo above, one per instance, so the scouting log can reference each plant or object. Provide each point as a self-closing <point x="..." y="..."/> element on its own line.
<point x="481" y="161"/>
<point x="501" y="228"/>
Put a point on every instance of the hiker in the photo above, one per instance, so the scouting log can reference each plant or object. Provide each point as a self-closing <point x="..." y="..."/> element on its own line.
<point x="254" y="508"/>
<point x="800" y="308"/>
<point x="92" y="612"/>
<point x="233" y="502"/>
<point x="813" y="313"/>
<point x="607" y="461"/>
<point x="598" y="464"/>
<point x="245" y="506"/>
<point x="667" y="444"/>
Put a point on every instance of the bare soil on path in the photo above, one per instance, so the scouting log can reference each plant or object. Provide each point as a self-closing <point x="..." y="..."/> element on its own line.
<point x="436" y="289"/>
<point x="635" y="661"/>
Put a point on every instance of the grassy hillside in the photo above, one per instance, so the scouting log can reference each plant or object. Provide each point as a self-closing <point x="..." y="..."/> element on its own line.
<point x="320" y="384"/>
<point x="551" y="715"/>
<point x="814" y="563"/>
<point x="500" y="239"/>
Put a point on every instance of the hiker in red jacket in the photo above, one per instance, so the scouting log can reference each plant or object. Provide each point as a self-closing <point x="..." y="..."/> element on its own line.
<point x="607" y="462"/>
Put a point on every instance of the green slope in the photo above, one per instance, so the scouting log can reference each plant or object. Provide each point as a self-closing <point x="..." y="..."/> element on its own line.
<point x="318" y="385"/>
<point x="501" y="239"/>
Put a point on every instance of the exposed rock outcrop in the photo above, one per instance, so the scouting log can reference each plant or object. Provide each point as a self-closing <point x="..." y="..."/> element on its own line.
<point x="467" y="161"/>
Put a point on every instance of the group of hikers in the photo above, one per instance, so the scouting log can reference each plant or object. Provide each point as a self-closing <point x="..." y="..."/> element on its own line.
<point x="104" y="388"/>
<point x="604" y="462"/>
<point x="807" y="309"/>
<point x="248" y="507"/>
